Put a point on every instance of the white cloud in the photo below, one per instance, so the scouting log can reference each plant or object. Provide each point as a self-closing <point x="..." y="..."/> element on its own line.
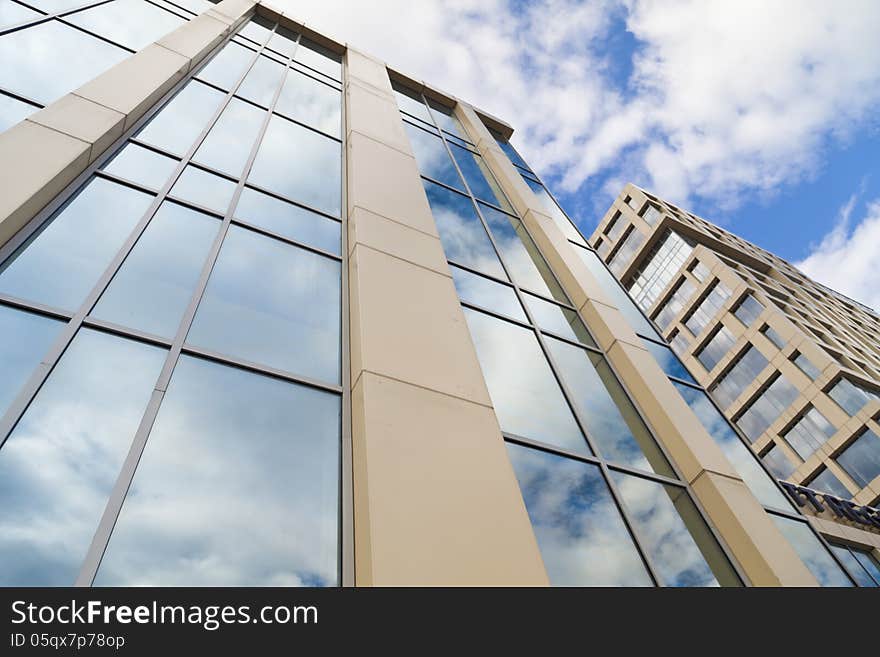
<point x="725" y="99"/>
<point x="846" y="259"/>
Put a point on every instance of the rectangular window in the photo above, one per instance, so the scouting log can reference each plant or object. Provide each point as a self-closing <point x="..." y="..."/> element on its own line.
<point x="703" y="315"/>
<point x="699" y="270"/>
<point x="814" y="555"/>
<point x="809" y="433"/>
<point x="804" y="365"/>
<point x="741" y="374"/>
<point x="679" y="342"/>
<point x="766" y="408"/>
<point x="59" y="474"/>
<point x="863" y="567"/>
<point x="716" y="348"/>
<point x="861" y="459"/>
<point x="659" y="268"/>
<point x="748" y="310"/>
<point x="581" y="535"/>
<point x="625" y="251"/>
<point x="849" y="396"/>
<point x="260" y="508"/>
<point x="778" y="463"/>
<point x="651" y="215"/>
<point x="524" y="392"/>
<point x="668" y="361"/>
<point x="773" y="336"/>
<point x="827" y="482"/>
<point x="681" y="295"/>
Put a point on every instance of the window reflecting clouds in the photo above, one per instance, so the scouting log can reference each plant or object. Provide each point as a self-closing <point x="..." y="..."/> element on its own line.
<point x="59" y="464"/>
<point x="478" y="177"/>
<point x="134" y="24"/>
<point x="815" y="556"/>
<point x="157" y="279"/>
<point x="26" y="339"/>
<point x="311" y="102"/>
<point x="141" y="165"/>
<point x="432" y="157"/>
<point x="608" y="416"/>
<point x="486" y="293"/>
<point x="260" y="508"/>
<point x="61" y="263"/>
<point x="273" y="304"/>
<point x="227" y="66"/>
<point x="12" y="111"/>
<point x="668" y="361"/>
<point x="289" y="220"/>
<point x="229" y="143"/>
<point x="261" y="81"/>
<point x="680" y="546"/>
<point x="206" y="189"/>
<point x="582" y="538"/>
<point x="300" y="164"/>
<point x="526" y="396"/>
<point x="464" y="238"/>
<point x="559" y="320"/>
<point x="47" y="60"/>
<point x="178" y="123"/>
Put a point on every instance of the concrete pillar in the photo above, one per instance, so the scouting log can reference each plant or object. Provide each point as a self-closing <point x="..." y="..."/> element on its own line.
<point x="764" y="555"/>
<point x="436" y="501"/>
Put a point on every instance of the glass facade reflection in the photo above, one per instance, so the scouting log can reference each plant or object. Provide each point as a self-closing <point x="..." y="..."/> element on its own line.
<point x="177" y="325"/>
<point x="560" y="405"/>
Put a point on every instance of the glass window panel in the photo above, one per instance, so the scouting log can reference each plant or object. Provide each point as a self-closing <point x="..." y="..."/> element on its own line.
<point x="283" y="41"/>
<point x="134" y="24"/>
<point x="12" y="13"/>
<point x="141" y="165"/>
<point x="478" y="177"/>
<point x="608" y="416"/>
<point x="524" y="392"/>
<point x="26" y="339"/>
<point x="227" y="66"/>
<point x="59" y="464"/>
<point x="45" y="61"/>
<point x="668" y="361"/>
<point x="443" y="117"/>
<point x="311" y="102"/>
<point x="480" y="291"/>
<point x="320" y="59"/>
<point x="582" y="538"/>
<point x="716" y="348"/>
<point x="177" y="124"/>
<point x="681" y="548"/>
<point x="257" y="29"/>
<point x="432" y="157"/>
<point x="301" y="165"/>
<point x="869" y="564"/>
<point x="806" y="366"/>
<point x="64" y="259"/>
<point x="273" y="304"/>
<point x="814" y="555"/>
<point x="773" y="336"/>
<point x="748" y="310"/>
<point x="289" y="220"/>
<point x="616" y="294"/>
<point x="12" y="111"/>
<point x="557" y="319"/>
<point x="809" y="433"/>
<point x="262" y="507"/>
<point x="826" y="482"/>
<point x="464" y="238"/>
<point x="229" y="143"/>
<point x="155" y="283"/>
<point x="524" y="262"/>
<point x="410" y="103"/>
<point x="203" y="188"/>
<point x="195" y="6"/>
<point x="849" y="396"/>
<point x="853" y="567"/>
<point x="262" y="81"/>
<point x="741" y="457"/>
<point x="555" y="211"/>
<point x="778" y="463"/>
<point x="745" y="370"/>
<point x="512" y="155"/>
<point x="861" y="459"/>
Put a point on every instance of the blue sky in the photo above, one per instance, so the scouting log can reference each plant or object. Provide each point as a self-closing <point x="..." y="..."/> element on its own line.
<point x="760" y="115"/>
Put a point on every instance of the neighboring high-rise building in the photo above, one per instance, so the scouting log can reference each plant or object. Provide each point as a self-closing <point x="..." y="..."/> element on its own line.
<point x="275" y="313"/>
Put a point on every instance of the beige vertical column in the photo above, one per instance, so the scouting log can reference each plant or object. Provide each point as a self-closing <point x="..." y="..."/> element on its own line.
<point x="436" y="500"/>
<point x="764" y="555"/>
<point x="44" y="153"/>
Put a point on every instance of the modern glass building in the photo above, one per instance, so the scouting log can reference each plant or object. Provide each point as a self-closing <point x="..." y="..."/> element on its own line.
<point x="273" y="313"/>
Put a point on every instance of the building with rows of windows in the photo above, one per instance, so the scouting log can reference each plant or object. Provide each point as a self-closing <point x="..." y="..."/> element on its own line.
<point x="273" y="313"/>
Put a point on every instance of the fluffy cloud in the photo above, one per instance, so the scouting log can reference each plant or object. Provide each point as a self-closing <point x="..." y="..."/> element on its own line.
<point x="846" y="258"/>
<point x="724" y="98"/>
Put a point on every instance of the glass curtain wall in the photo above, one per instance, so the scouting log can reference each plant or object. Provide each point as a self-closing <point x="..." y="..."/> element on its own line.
<point x="51" y="47"/>
<point x="605" y="503"/>
<point x="171" y="414"/>
<point x="806" y="542"/>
